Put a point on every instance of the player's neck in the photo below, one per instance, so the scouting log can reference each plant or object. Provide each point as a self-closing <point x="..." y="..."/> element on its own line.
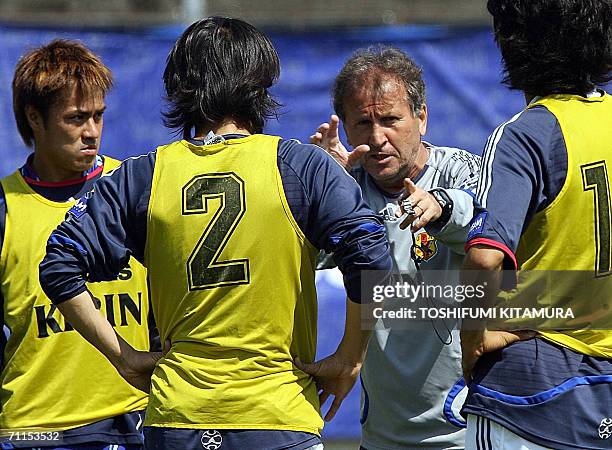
<point x="420" y="161"/>
<point x="528" y="97"/>
<point x="229" y="127"/>
<point x="49" y="172"/>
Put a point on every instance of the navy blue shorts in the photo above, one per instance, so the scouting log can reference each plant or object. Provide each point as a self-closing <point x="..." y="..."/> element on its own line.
<point x="157" y="438"/>
<point x="8" y="446"/>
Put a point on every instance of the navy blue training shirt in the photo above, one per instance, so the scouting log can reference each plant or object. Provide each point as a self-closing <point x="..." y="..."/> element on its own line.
<point x="324" y="199"/>
<point x="523" y="385"/>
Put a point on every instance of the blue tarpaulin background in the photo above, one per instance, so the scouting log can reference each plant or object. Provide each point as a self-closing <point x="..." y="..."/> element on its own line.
<point x="465" y="100"/>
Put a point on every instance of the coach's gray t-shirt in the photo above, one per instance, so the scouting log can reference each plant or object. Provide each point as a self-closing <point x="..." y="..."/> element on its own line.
<point x="408" y="372"/>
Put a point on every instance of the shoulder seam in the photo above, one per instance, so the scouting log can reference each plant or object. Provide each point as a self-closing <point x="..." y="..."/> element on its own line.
<point x="282" y="158"/>
<point x="488" y="157"/>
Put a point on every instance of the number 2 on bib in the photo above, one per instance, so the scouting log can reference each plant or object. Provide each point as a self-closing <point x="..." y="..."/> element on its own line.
<point x="204" y="270"/>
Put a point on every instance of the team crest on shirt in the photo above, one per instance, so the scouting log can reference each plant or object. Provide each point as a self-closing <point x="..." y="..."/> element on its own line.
<point x="425" y="246"/>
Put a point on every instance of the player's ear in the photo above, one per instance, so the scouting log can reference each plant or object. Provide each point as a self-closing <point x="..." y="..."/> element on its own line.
<point x="34" y="117"/>
<point x="422" y="117"/>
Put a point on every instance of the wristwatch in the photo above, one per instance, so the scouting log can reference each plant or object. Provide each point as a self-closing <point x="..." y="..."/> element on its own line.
<point x="446" y="203"/>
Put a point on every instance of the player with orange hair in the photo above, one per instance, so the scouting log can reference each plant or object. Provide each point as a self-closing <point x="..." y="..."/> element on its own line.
<point x="53" y="385"/>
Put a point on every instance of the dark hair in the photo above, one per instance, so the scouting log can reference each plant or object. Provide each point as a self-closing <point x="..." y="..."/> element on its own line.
<point x="45" y="75"/>
<point x="220" y="68"/>
<point x="554" y="46"/>
<point x="370" y="64"/>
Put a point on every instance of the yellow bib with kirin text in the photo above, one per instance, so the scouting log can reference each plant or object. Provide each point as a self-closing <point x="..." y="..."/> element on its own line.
<point x="52" y="378"/>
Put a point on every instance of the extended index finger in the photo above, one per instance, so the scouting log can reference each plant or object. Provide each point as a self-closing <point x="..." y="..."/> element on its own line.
<point x="411" y="188"/>
<point x="332" y="131"/>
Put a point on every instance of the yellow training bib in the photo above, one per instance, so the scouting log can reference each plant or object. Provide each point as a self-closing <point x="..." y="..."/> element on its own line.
<point x="549" y="243"/>
<point x="232" y="286"/>
<point x="52" y="378"/>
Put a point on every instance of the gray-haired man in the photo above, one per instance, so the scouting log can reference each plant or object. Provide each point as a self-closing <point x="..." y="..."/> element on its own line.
<point x="380" y="96"/>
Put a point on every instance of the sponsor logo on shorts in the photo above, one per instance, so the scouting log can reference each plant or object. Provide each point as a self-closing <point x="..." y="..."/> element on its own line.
<point x="211" y="440"/>
<point x="605" y="428"/>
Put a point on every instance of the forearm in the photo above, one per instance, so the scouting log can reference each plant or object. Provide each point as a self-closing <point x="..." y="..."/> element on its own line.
<point x="484" y="264"/>
<point x="82" y="314"/>
<point x="354" y="343"/>
<point x="482" y="267"/>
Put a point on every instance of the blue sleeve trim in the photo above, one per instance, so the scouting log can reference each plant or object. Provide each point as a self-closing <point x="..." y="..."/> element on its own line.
<point x="469" y="192"/>
<point x="450" y="401"/>
<point x="544" y="396"/>
<point x="371" y="227"/>
<point x="335" y="239"/>
<point x="64" y="241"/>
